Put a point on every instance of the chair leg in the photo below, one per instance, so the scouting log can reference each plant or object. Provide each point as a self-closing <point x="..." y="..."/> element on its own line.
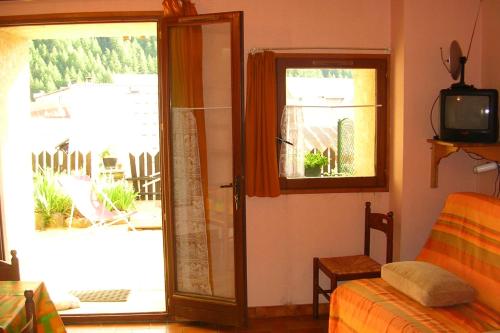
<point x="333" y="284"/>
<point x="315" y="287"/>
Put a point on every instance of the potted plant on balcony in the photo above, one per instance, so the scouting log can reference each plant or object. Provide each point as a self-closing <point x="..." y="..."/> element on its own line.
<point x="313" y="162"/>
<point x="108" y="159"/>
<point x="120" y="193"/>
<point x="52" y="206"/>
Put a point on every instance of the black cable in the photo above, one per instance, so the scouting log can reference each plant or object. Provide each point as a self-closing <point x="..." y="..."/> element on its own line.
<point x="475" y="156"/>
<point x="430" y="118"/>
<point x="444" y="61"/>
<point x="474" y="29"/>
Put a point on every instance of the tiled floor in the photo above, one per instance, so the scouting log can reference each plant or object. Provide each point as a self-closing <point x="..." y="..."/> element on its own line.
<point x="274" y="325"/>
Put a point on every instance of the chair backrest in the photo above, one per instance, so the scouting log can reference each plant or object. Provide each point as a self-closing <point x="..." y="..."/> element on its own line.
<point x="84" y="197"/>
<point x="10" y="272"/>
<point x="29" y="305"/>
<point x="381" y="222"/>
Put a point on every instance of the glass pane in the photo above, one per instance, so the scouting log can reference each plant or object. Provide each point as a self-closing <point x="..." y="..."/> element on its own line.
<point x="201" y="134"/>
<point x="329" y="123"/>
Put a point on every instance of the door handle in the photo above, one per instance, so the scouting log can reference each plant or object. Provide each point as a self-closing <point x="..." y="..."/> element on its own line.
<point x="237" y="189"/>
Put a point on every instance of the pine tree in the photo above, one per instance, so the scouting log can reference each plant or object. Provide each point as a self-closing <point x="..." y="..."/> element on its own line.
<point x="58" y="63"/>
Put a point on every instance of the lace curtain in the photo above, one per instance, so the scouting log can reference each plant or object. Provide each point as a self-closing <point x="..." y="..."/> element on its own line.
<point x="293" y="144"/>
<point x="191" y="239"/>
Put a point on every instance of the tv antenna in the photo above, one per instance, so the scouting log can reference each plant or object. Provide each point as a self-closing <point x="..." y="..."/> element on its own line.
<point x="457" y="61"/>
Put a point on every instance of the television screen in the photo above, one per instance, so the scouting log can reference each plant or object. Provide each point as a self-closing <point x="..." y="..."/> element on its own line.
<point x="469" y="115"/>
<point x="470" y="112"/>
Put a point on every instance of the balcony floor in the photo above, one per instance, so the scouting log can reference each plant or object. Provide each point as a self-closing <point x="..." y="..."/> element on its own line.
<point x="110" y="257"/>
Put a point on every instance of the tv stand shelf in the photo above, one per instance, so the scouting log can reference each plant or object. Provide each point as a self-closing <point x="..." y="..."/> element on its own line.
<point x="441" y="149"/>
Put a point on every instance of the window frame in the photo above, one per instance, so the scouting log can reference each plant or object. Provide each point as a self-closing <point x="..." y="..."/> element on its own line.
<point x="379" y="62"/>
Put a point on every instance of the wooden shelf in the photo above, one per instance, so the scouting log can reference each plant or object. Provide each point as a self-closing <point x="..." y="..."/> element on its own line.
<point x="442" y="149"/>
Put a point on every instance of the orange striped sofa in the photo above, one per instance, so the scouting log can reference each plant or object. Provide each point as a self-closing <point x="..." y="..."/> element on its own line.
<point x="465" y="240"/>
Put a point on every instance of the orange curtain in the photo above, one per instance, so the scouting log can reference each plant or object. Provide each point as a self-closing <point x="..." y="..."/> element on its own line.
<point x="186" y="62"/>
<point x="185" y="66"/>
<point x="260" y="125"/>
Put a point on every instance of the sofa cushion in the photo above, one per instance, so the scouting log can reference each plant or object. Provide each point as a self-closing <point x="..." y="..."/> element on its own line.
<point x="428" y="284"/>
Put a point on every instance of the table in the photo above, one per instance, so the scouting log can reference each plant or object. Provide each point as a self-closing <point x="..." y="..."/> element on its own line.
<point x="12" y="311"/>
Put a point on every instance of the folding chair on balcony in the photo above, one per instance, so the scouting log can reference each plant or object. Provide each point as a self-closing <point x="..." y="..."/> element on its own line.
<point x="84" y="195"/>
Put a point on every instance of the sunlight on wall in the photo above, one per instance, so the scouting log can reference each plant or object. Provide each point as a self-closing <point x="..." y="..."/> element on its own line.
<point x="364" y="121"/>
<point x="15" y="158"/>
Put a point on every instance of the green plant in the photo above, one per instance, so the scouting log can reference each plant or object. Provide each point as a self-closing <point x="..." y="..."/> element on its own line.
<point x="120" y="193"/>
<point x="49" y="197"/>
<point x="315" y="160"/>
<point x="106" y="153"/>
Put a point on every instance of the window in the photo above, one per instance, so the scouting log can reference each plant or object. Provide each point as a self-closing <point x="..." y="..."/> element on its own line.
<point x="332" y="122"/>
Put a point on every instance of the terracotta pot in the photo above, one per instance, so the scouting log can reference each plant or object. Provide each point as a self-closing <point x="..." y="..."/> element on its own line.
<point x="39" y="222"/>
<point x="57" y="220"/>
<point x="109" y="162"/>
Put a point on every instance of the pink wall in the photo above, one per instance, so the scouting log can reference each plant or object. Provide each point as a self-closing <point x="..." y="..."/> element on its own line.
<point x="397" y="115"/>
<point x="427" y="26"/>
<point x="490" y="68"/>
<point x="284" y="233"/>
<point x="490" y="23"/>
<point x="491" y="42"/>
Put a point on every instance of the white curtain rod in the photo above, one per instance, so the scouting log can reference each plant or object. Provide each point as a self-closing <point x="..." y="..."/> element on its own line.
<point x="335" y="106"/>
<point x="201" y="108"/>
<point x="260" y="49"/>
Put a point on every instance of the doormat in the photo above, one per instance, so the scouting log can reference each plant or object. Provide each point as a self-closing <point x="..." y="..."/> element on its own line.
<point x="114" y="295"/>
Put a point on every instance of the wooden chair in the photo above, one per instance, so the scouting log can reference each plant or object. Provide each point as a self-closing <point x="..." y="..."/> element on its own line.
<point x="10" y="272"/>
<point x="353" y="267"/>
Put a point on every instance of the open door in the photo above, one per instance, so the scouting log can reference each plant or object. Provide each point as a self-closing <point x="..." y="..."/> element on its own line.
<point x="205" y="188"/>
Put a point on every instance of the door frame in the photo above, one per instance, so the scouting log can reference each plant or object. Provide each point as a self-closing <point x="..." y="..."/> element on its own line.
<point x="106" y="17"/>
<point x="211" y="308"/>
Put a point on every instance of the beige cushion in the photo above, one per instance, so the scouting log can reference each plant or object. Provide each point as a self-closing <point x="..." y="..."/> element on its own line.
<point x="64" y="301"/>
<point x="426" y="283"/>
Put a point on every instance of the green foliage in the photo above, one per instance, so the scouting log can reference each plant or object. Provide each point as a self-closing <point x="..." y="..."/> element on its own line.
<point x="314" y="160"/>
<point x="56" y="63"/>
<point x="48" y="195"/>
<point x="120" y="193"/>
<point x="319" y="73"/>
<point x="105" y="153"/>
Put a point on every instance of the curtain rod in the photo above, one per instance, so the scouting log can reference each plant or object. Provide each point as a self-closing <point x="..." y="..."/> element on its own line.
<point x="200" y="108"/>
<point x="336" y="106"/>
<point x="259" y="49"/>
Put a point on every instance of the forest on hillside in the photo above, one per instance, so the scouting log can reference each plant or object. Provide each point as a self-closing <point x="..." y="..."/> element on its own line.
<point x="57" y="63"/>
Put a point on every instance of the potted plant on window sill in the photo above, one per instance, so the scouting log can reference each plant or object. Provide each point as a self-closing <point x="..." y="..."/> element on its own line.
<point x="313" y="162"/>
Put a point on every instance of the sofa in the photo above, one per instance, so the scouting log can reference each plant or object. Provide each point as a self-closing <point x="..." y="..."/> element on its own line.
<point x="464" y="242"/>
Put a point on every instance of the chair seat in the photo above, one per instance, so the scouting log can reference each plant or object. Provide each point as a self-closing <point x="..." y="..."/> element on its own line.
<point x="353" y="267"/>
<point x="350" y="265"/>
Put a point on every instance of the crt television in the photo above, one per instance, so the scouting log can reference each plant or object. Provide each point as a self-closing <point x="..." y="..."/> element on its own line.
<point x="469" y="115"/>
